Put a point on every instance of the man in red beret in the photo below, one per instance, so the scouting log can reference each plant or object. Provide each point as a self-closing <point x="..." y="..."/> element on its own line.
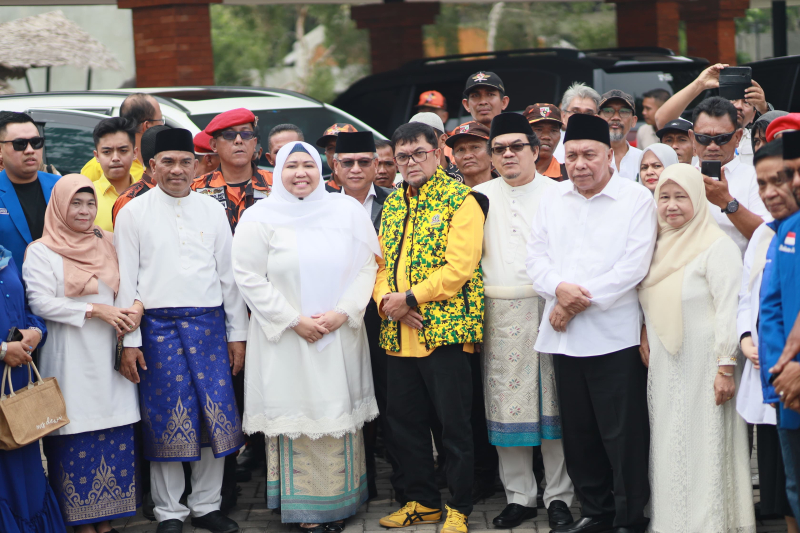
<point x="781" y="125"/>
<point x="208" y="159"/>
<point x="238" y="182"/>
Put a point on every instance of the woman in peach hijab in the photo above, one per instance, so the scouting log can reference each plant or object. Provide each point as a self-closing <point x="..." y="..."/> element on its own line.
<point x="72" y="277"/>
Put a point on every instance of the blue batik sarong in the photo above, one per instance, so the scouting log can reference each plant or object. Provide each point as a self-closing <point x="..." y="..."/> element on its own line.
<point x="94" y="475"/>
<point x="186" y="393"/>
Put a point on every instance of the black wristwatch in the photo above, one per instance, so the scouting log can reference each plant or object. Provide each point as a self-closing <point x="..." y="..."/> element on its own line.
<point x="731" y="208"/>
<point x="411" y="300"/>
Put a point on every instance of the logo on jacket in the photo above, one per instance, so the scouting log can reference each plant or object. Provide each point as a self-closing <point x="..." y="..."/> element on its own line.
<point x="436" y="220"/>
<point x="788" y="243"/>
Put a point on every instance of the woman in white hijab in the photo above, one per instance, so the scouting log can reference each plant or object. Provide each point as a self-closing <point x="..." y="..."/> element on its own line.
<point x="654" y="159"/>
<point x="304" y="261"/>
<point x="699" y="461"/>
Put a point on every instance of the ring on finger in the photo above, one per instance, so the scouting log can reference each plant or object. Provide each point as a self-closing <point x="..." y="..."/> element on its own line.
<point x="782" y="394"/>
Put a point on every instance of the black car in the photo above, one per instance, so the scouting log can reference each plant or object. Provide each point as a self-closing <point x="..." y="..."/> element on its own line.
<point x="780" y="79"/>
<point x="386" y="100"/>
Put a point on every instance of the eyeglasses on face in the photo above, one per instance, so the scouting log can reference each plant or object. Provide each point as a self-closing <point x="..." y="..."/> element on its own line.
<point x="231" y="135"/>
<point x="419" y="156"/>
<point x="21" y="144"/>
<point x="719" y="140"/>
<point x="624" y="112"/>
<point x="161" y="120"/>
<point x="516" y="148"/>
<point x="350" y="163"/>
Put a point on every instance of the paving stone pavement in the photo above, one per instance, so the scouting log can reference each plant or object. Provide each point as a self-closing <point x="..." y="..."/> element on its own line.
<point x="253" y="516"/>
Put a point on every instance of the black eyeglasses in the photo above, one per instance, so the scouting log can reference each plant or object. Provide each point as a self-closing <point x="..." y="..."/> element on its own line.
<point x="161" y="120"/>
<point x="419" y="156"/>
<point x="20" y="144"/>
<point x="624" y="112"/>
<point x="350" y="163"/>
<point x="719" y="140"/>
<point x="516" y="148"/>
<point x="231" y="135"/>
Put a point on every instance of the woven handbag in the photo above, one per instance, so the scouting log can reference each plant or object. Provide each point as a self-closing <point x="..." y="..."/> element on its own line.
<point x="30" y="413"/>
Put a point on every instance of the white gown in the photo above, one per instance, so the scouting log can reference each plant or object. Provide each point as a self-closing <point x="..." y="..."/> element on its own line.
<point x="79" y="353"/>
<point x="291" y="388"/>
<point x="699" y="461"/>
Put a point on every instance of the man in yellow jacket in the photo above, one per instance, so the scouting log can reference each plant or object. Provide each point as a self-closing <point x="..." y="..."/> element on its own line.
<point x="429" y="291"/>
<point x="144" y="110"/>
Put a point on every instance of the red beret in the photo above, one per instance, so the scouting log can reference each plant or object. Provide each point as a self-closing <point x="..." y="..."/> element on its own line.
<point x="790" y="122"/>
<point x="229" y="119"/>
<point x="201" y="144"/>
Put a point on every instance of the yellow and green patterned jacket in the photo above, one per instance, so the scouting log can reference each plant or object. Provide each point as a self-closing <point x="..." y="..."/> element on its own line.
<point x="458" y="319"/>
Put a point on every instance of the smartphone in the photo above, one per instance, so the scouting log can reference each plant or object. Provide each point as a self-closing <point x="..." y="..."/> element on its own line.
<point x="733" y="81"/>
<point x="14" y="335"/>
<point x="712" y="169"/>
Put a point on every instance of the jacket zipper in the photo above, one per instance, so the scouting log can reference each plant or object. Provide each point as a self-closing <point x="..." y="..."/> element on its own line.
<point x="397" y="262"/>
<point x="464" y="296"/>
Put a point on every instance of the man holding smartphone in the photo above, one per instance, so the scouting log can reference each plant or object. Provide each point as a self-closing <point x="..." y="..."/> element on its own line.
<point x="734" y="192"/>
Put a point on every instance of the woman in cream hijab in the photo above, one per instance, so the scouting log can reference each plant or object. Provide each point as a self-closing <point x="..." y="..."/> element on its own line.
<point x="699" y="461"/>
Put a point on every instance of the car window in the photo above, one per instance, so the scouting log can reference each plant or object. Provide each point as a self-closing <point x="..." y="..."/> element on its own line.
<point x="312" y="121"/>
<point x="67" y="146"/>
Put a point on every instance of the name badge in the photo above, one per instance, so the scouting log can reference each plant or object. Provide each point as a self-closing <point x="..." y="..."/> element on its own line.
<point x="217" y="193"/>
<point x="436" y="220"/>
<point x="3" y="211"/>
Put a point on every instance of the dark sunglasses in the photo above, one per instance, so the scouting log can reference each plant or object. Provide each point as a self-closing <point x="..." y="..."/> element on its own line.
<point x="20" y="144"/>
<point x="719" y="140"/>
<point x="516" y="148"/>
<point x="231" y="135"/>
<point x="350" y="163"/>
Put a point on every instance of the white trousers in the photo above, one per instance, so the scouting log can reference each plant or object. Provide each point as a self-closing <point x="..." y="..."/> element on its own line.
<point x="167" y="484"/>
<point x="516" y="473"/>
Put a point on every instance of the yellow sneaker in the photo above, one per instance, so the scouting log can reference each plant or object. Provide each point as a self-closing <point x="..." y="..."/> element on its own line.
<point x="410" y="514"/>
<point x="455" y="522"/>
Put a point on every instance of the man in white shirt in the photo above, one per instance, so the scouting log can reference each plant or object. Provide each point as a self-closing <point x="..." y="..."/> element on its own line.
<point x="618" y="109"/>
<point x="737" y="207"/>
<point x="578" y="98"/>
<point x="174" y="250"/>
<point x="651" y="101"/>
<point x="519" y="385"/>
<point x="355" y="162"/>
<point x="591" y="244"/>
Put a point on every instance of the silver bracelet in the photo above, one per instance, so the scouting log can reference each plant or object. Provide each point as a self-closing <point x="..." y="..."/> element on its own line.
<point x="37" y="330"/>
<point x="3" y="349"/>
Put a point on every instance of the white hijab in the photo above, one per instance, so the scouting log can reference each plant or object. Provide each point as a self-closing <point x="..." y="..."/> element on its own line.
<point x="334" y="236"/>
<point x="666" y="154"/>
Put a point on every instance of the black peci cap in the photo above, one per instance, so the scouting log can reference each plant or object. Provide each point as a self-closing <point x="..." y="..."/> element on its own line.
<point x="589" y="127"/>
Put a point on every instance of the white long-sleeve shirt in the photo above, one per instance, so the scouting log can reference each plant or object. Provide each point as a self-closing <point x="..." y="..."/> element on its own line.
<point x="176" y="252"/>
<point x="604" y="243"/>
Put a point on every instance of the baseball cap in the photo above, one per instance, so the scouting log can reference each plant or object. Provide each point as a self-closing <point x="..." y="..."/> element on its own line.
<point x="538" y="112"/>
<point x="334" y="131"/>
<point x="679" y="124"/>
<point x="485" y="79"/>
<point x="431" y="119"/>
<point x="432" y="99"/>
<point x="616" y="94"/>
<point x="468" y="129"/>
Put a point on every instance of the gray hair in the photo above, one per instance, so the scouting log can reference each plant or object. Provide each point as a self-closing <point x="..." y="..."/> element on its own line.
<point x="579" y="90"/>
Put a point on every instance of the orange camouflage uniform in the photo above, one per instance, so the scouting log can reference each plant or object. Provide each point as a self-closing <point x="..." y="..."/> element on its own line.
<point x="237" y="197"/>
<point x="134" y="191"/>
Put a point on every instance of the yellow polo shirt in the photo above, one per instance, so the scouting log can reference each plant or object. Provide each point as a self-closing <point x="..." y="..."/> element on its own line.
<point x="462" y="255"/>
<point x="94" y="171"/>
<point x="106" y="196"/>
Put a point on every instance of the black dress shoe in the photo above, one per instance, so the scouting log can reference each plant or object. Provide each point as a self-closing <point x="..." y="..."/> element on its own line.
<point x="588" y="524"/>
<point x="335" y="527"/>
<point x="170" y="526"/>
<point x="558" y="514"/>
<point x="216" y="522"/>
<point x="513" y="515"/>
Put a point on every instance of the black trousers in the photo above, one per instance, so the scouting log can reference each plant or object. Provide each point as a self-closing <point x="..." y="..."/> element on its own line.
<point x="486" y="461"/>
<point x="379" y="361"/>
<point x="606" y="430"/>
<point x="418" y="389"/>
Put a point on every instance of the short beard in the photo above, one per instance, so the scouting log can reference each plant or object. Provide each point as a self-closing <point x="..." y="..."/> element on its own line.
<point x="419" y="182"/>
<point x="512" y="176"/>
<point x="616" y="136"/>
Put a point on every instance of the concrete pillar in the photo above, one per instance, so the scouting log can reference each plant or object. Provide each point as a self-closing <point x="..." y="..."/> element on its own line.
<point x="711" y="30"/>
<point x="172" y="42"/>
<point x="648" y="23"/>
<point x="395" y="31"/>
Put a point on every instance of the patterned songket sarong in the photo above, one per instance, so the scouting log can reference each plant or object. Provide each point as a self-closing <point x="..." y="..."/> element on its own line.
<point x="94" y="475"/>
<point x="519" y="383"/>
<point x="186" y="393"/>
<point x="316" y="481"/>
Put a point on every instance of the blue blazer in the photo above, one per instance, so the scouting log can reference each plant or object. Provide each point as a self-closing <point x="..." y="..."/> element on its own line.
<point x="14" y="232"/>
